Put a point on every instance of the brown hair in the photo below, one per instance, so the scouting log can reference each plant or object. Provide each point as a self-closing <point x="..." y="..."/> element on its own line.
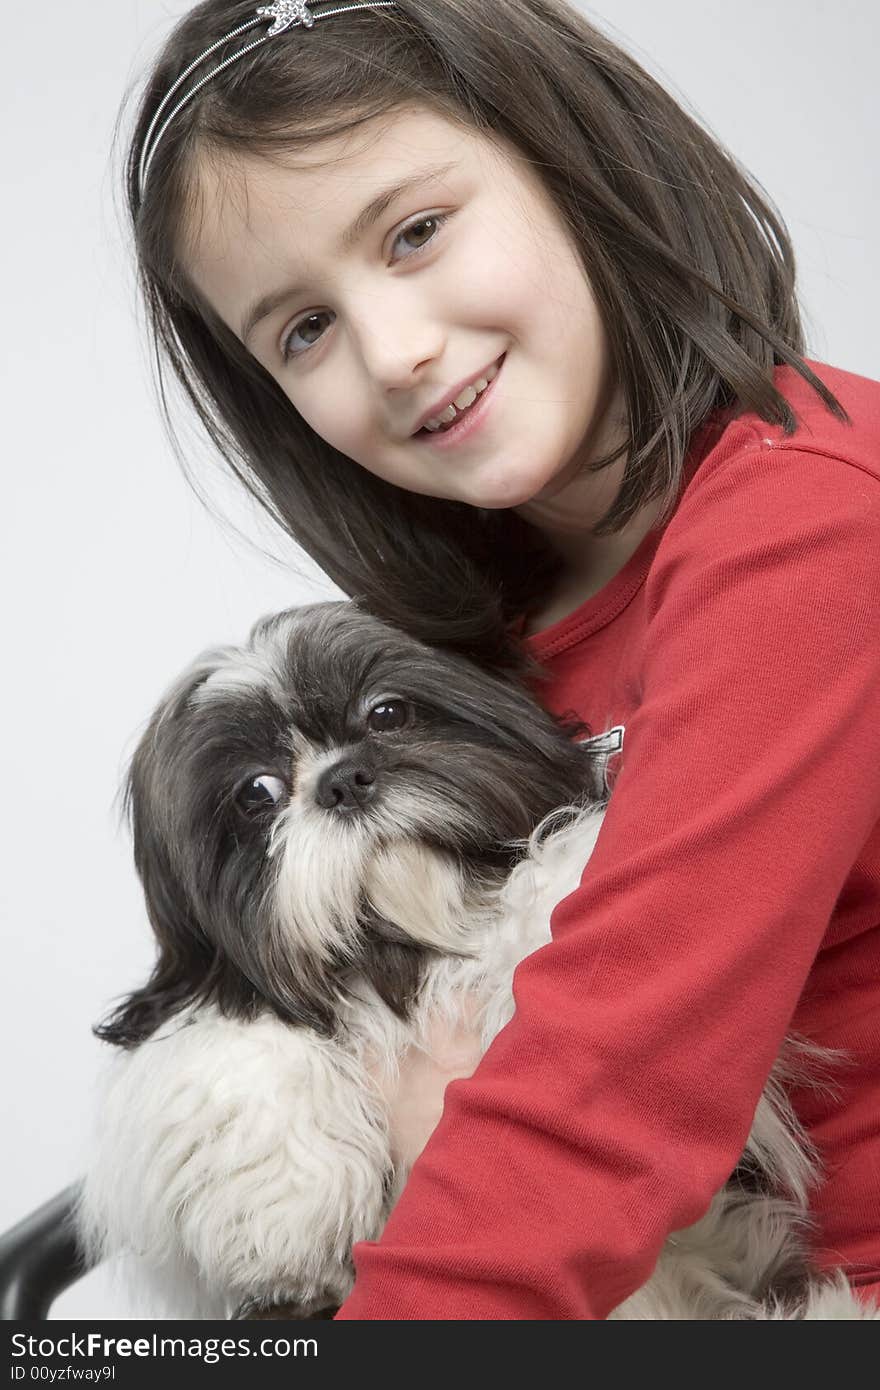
<point x="691" y="267"/>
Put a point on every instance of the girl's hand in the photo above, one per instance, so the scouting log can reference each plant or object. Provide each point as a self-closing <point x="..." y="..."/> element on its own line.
<point x="415" y="1100"/>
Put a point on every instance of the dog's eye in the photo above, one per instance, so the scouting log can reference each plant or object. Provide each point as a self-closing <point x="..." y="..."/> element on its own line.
<point x="391" y="714"/>
<point x="260" y="793"/>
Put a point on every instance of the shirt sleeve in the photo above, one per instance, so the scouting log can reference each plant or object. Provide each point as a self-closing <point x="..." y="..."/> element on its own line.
<point x="618" y="1099"/>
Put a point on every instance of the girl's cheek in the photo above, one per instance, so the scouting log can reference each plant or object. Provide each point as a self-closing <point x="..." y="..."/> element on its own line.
<point x="480" y="272"/>
<point x="317" y="414"/>
<point x="340" y="421"/>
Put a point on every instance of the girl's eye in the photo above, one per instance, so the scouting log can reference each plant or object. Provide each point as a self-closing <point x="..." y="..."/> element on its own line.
<point x="434" y="221"/>
<point x="305" y="327"/>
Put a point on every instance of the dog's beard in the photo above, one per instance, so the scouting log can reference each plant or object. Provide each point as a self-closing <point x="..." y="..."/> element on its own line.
<point x="333" y="880"/>
<point x="400" y="870"/>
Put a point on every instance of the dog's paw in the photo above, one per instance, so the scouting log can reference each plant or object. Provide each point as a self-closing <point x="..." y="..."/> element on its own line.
<point x="258" y="1310"/>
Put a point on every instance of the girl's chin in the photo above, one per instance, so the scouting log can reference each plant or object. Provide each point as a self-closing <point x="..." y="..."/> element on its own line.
<point x="513" y="494"/>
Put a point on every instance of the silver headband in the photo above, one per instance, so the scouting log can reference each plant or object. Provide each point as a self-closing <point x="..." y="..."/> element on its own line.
<point x="285" y="14"/>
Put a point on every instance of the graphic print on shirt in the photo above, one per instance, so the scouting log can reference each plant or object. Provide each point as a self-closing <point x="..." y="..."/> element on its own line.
<point x="607" y="746"/>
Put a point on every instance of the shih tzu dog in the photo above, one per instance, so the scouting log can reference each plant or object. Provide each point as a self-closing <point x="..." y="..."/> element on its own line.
<point x="343" y="834"/>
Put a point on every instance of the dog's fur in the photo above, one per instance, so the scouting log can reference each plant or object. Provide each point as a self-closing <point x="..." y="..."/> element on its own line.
<point x="341" y="835"/>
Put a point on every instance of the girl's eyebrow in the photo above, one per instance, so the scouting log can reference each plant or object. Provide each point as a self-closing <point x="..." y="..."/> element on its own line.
<point x="365" y="219"/>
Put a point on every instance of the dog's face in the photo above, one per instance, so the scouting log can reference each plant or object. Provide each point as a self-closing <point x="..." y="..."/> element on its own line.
<point x="332" y="794"/>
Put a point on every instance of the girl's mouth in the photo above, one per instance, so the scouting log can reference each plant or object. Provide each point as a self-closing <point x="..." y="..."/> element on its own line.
<point x="466" y="422"/>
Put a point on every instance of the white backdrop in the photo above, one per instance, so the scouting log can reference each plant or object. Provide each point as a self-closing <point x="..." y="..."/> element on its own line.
<point x="114" y="575"/>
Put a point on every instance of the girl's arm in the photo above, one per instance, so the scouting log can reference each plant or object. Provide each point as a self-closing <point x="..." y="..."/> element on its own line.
<point x="617" y="1101"/>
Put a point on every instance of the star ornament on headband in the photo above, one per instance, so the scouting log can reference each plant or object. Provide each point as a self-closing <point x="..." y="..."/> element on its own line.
<point x="285" y="14"/>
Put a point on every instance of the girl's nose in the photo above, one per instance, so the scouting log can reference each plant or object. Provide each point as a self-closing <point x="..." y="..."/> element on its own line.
<point x="397" y="349"/>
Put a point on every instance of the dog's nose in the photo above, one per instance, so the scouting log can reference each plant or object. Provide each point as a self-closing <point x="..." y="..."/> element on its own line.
<point x="346" y="786"/>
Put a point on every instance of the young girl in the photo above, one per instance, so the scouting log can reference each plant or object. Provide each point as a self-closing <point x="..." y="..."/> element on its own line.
<point x="652" y="506"/>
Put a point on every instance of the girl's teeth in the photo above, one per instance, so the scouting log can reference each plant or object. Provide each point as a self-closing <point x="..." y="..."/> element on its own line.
<point x="462" y="401"/>
<point x="468" y="396"/>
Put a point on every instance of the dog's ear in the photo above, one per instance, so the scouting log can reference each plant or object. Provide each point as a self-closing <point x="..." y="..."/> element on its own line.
<point x="187" y="961"/>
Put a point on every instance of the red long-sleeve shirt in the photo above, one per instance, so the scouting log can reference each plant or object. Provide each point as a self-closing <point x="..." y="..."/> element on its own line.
<point x="733" y="896"/>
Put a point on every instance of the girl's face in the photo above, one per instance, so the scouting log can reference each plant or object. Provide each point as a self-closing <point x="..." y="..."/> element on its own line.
<point x="367" y="312"/>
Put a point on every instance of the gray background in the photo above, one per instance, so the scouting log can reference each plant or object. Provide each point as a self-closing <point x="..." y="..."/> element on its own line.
<point x="114" y="575"/>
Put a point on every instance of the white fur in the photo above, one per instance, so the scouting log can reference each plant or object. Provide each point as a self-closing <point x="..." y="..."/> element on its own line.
<point x="243" y="1159"/>
<point x="251" y="1153"/>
